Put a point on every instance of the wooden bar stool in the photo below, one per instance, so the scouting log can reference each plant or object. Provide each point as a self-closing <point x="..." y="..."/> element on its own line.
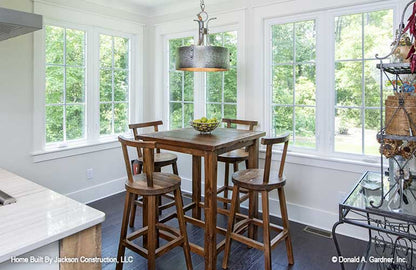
<point x="150" y="185"/>
<point x="234" y="157"/>
<point x="262" y="181"/>
<point x="161" y="160"/>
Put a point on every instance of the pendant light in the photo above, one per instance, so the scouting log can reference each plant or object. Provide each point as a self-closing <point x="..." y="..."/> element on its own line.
<point x="203" y="57"/>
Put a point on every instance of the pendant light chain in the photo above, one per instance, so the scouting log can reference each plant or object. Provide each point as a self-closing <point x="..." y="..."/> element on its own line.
<point x="202" y="5"/>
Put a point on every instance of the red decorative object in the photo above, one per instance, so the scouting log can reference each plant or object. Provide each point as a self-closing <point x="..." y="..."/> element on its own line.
<point x="411" y="26"/>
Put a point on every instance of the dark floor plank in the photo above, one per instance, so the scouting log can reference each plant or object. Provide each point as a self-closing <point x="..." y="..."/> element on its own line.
<point x="311" y="252"/>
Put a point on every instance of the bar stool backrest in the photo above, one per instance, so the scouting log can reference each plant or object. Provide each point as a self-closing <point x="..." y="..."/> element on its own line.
<point x="148" y="157"/>
<point x="135" y="127"/>
<point x="269" y="142"/>
<point x="250" y="124"/>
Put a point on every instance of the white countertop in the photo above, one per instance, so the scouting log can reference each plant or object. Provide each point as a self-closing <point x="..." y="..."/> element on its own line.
<point x="39" y="217"/>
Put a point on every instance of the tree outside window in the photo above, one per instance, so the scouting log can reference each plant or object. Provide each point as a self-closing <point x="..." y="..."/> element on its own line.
<point x="114" y="84"/>
<point x="358" y="38"/>
<point x="221" y="87"/>
<point x="294" y="81"/>
<point x="181" y="88"/>
<point x="64" y="84"/>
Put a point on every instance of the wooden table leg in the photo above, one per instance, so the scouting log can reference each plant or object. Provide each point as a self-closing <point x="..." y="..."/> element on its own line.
<point x="196" y="186"/>
<point x="253" y="208"/>
<point x="86" y="243"/>
<point x="210" y="210"/>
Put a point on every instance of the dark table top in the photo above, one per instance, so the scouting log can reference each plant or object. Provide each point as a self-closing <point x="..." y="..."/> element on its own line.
<point x="190" y="138"/>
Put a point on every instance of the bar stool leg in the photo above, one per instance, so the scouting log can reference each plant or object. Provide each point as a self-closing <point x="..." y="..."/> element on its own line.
<point x="133" y="210"/>
<point x="175" y="168"/>
<point x="182" y="228"/>
<point x="123" y="233"/>
<point x="231" y="219"/>
<point x="253" y="199"/>
<point x="283" y="210"/>
<point x="152" y="233"/>
<point x="226" y="179"/>
<point x="145" y="210"/>
<point x="134" y="205"/>
<point x="235" y="166"/>
<point x="266" y="230"/>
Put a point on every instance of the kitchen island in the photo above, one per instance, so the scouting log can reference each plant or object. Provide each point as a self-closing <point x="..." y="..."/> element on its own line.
<point x="46" y="230"/>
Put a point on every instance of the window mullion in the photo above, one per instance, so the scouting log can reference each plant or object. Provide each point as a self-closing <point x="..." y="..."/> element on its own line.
<point x="362" y="86"/>
<point x="294" y="85"/>
<point x="64" y="92"/>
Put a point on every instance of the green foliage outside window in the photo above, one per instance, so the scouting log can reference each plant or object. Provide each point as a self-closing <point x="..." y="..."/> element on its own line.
<point x="64" y="84"/>
<point x="294" y="81"/>
<point x="181" y="88"/>
<point x="358" y="38"/>
<point x="221" y="87"/>
<point x="114" y="84"/>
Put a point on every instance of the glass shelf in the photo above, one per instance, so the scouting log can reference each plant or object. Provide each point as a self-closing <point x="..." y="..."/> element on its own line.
<point x="369" y="189"/>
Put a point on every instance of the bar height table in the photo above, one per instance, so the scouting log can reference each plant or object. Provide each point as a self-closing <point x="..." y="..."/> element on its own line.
<point x="209" y="146"/>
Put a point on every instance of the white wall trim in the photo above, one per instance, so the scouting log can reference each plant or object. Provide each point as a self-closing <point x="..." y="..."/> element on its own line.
<point x="300" y="214"/>
<point x="297" y="213"/>
<point x="40" y="156"/>
<point x="98" y="192"/>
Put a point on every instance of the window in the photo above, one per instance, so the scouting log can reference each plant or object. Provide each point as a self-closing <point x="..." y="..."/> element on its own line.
<point x="87" y="85"/>
<point x="181" y="88"/>
<point x="211" y="94"/>
<point x="64" y="84"/>
<point x="322" y="82"/>
<point x="221" y="87"/>
<point x="293" y="72"/>
<point x="358" y="37"/>
<point x="114" y="85"/>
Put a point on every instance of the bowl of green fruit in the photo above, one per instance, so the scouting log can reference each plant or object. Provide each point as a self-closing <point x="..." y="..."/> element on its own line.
<point x="205" y="125"/>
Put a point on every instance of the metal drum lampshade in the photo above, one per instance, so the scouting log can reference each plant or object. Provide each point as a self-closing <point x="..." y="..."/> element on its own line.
<point x="203" y="57"/>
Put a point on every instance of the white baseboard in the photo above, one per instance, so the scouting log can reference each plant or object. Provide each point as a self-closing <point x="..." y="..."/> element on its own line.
<point x="298" y="213"/>
<point x="98" y="192"/>
<point x="302" y="214"/>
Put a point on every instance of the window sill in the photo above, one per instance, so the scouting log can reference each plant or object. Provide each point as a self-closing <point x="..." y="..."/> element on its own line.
<point x="354" y="165"/>
<point x="75" y="149"/>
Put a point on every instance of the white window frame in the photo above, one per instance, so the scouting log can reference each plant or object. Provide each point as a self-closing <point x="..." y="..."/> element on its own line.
<point x="199" y="77"/>
<point x="93" y="141"/>
<point x="223" y="29"/>
<point x="102" y="31"/>
<point x="325" y="79"/>
<point x="65" y="143"/>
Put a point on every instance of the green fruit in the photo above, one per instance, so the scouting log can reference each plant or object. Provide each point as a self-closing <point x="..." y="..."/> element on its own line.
<point x="204" y="119"/>
<point x="214" y="119"/>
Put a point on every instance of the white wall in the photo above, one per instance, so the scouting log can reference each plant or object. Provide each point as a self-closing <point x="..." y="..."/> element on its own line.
<point x="65" y="175"/>
<point x="314" y="185"/>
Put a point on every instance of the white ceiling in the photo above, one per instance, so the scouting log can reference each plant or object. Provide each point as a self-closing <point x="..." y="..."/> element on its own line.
<point x="145" y="3"/>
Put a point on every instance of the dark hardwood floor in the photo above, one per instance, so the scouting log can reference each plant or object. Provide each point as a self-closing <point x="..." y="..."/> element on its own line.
<point x="311" y="252"/>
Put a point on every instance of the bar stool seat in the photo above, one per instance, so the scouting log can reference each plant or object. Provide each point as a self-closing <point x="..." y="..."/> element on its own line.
<point x="233" y="157"/>
<point x="238" y="155"/>
<point x="162" y="183"/>
<point x="253" y="180"/>
<point x="260" y="181"/>
<point x="162" y="159"/>
<point x="151" y="185"/>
